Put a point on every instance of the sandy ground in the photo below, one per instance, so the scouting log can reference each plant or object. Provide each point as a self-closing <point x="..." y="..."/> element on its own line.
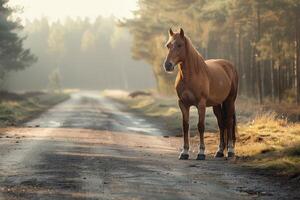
<point x="89" y="148"/>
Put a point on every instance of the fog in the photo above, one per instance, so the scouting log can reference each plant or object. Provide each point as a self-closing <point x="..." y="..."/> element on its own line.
<point x="85" y="54"/>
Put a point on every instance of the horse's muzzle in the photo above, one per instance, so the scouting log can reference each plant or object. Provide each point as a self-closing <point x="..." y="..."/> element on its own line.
<point x="169" y="67"/>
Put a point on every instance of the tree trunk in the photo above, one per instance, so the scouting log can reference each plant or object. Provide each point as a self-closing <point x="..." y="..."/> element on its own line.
<point x="253" y="72"/>
<point x="258" y="74"/>
<point x="272" y="74"/>
<point x="239" y="64"/>
<point x="297" y="58"/>
<point x="279" y="74"/>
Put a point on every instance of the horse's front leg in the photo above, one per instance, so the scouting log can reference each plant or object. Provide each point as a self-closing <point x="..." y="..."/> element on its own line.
<point x="220" y="118"/>
<point x="185" y="110"/>
<point x="201" y="126"/>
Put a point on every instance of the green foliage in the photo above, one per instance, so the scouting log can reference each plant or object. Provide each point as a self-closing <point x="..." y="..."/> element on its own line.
<point x="12" y="54"/>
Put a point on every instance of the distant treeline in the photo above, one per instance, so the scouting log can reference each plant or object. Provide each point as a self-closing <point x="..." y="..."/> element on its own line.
<point x="80" y="53"/>
<point x="73" y="53"/>
<point x="262" y="38"/>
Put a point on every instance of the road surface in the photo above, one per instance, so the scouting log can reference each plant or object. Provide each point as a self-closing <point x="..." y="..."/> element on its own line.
<point x="88" y="147"/>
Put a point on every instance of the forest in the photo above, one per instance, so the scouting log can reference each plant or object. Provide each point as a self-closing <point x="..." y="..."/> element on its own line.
<point x="75" y="52"/>
<point x="261" y="38"/>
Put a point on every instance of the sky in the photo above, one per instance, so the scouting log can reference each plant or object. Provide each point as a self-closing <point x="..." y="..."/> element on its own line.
<point x="60" y="9"/>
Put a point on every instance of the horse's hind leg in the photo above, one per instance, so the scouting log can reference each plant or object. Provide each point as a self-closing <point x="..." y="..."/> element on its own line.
<point x="230" y="111"/>
<point x="185" y="110"/>
<point x="219" y="115"/>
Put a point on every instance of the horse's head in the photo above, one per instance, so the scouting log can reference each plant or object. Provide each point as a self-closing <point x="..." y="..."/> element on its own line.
<point x="176" y="46"/>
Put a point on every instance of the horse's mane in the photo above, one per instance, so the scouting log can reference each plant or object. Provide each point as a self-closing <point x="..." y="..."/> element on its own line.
<point x="195" y="59"/>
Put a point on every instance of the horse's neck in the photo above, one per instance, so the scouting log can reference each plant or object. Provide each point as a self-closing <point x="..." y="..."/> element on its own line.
<point x="193" y="66"/>
<point x="184" y="72"/>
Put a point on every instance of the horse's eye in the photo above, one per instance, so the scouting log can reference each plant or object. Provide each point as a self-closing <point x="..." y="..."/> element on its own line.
<point x="179" y="45"/>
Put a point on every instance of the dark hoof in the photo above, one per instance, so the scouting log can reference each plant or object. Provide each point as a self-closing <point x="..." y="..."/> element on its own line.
<point x="184" y="156"/>
<point x="231" y="155"/>
<point x="219" y="155"/>
<point x="201" y="157"/>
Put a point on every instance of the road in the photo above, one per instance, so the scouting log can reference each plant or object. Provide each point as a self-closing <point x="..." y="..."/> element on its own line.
<point x="88" y="147"/>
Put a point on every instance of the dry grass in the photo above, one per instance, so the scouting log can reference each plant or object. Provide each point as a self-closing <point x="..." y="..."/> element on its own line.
<point x="16" y="108"/>
<point x="267" y="133"/>
<point x="271" y="143"/>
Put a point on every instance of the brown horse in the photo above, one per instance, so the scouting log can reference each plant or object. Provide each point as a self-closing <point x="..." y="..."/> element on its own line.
<point x="203" y="84"/>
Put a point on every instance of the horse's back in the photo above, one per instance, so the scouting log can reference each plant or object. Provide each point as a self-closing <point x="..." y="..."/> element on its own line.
<point x="221" y="75"/>
<point x="226" y="65"/>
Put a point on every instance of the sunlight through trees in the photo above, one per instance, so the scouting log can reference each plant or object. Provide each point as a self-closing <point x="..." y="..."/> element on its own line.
<point x="260" y="37"/>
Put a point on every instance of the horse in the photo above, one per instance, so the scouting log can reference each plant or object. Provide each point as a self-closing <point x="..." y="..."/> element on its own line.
<point x="203" y="83"/>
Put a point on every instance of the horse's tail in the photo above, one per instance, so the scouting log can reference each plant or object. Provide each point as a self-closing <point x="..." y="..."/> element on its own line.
<point x="234" y="128"/>
<point x="224" y="116"/>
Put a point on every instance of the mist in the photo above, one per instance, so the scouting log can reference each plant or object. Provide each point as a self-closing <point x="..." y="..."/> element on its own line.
<point x="86" y="55"/>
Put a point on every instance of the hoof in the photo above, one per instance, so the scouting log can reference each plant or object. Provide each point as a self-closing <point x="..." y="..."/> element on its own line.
<point x="231" y="154"/>
<point x="219" y="154"/>
<point x="184" y="156"/>
<point x="201" y="157"/>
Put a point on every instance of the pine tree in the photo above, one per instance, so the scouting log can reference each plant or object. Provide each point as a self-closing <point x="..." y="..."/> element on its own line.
<point x="13" y="56"/>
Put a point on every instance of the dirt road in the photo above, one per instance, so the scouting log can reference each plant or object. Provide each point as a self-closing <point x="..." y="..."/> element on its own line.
<point x="88" y="148"/>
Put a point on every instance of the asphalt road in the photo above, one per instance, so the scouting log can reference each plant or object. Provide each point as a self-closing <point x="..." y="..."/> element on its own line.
<point x="88" y="147"/>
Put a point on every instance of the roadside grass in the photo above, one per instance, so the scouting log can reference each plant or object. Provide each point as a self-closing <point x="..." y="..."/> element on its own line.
<point x="265" y="141"/>
<point x="271" y="144"/>
<point x="163" y="108"/>
<point x="17" y="108"/>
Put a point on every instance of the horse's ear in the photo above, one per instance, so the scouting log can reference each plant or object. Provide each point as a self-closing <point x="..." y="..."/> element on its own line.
<point x="171" y="33"/>
<point x="181" y="33"/>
